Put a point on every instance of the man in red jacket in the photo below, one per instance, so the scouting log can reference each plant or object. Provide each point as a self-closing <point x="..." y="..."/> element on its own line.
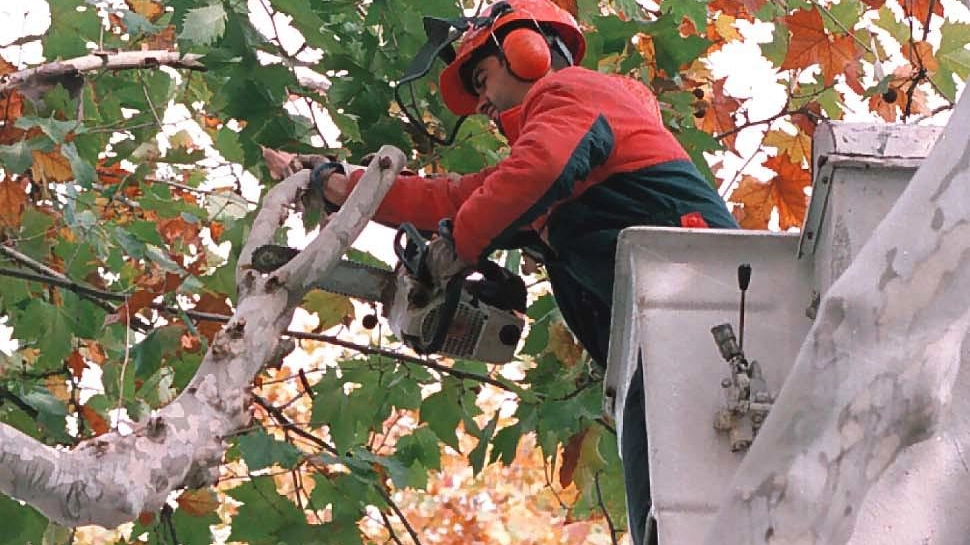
<point x="589" y="157"/>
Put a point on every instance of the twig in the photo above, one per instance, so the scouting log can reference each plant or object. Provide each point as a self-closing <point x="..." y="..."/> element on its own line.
<point x="390" y="528"/>
<point x="23" y="40"/>
<point x="30" y="263"/>
<point x="839" y="24"/>
<point x="289" y="425"/>
<point x="123" y="60"/>
<point x="602" y="504"/>
<point x="223" y="318"/>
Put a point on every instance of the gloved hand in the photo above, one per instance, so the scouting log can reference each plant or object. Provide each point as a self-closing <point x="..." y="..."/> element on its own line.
<point x="442" y="261"/>
<point x="329" y="186"/>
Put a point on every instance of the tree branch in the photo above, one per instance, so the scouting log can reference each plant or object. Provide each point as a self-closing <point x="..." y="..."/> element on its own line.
<point x="112" y="478"/>
<point x="122" y="60"/>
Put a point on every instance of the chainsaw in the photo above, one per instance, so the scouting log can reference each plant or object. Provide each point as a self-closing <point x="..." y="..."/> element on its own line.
<point x="477" y="318"/>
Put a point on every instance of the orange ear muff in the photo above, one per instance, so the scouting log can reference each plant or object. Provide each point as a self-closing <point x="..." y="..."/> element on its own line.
<point x="526" y="53"/>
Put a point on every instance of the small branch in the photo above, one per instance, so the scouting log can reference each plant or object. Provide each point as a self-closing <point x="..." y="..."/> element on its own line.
<point x="602" y="505"/>
<point x="123" y="60"/>
<point x="7" y="395"/>
<point x="23" y="40"/>
<point x="839" y="24"/>
<point x="30" y="263"/>
<point x="285" y="423"/>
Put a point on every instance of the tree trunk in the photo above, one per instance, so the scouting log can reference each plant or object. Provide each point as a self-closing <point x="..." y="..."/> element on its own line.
<point x="872" y="398"/>
<point x="113" y="478"/>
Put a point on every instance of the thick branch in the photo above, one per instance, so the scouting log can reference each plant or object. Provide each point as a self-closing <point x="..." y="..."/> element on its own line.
<point x="113" y="478"/>
<point x="122" y="60"/>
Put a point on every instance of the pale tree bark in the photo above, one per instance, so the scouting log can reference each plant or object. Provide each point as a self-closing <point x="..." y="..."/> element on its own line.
<point x="113" y="478"/>
<point x="878" y="390"/>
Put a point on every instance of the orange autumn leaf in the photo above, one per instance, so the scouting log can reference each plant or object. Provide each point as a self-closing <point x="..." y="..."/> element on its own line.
<point x="13" y="201"/>
<point x="138" y="300"/>
<point x="874" y="4"/>
<point x="51" y="166"/>
<point x="174" y="229"/>
<point x="785" y="192"/>
<point x="112" y="174"/>
<point x="214" y="304"/>
<point x="164" y="40"/>
<point x="921" y="54"/>
<point x="719" y="114"/>
<point x="216" y="230"/>
<point x="570" y="458"/>
<point x="810" y="44"/>
<point x="149" y="9"/>
<point x="95" y="421"/>
<point x="732" y="8"/>
<point x="920" y="9"/>
<point x="798" y="146"/>
<point x="754" y="196"/>
<point x="95" y="352"/>
<point x="198" y="503"/>
<point x="788" y="190"/>
<point x="75" y="362"/>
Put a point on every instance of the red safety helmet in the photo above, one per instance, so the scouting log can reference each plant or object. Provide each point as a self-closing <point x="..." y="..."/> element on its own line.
<point x="517" y="29"/>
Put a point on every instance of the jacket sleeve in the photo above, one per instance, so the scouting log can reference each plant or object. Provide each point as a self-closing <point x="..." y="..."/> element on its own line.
<point x="424" y="201"/>
<point x="563" y="138"/>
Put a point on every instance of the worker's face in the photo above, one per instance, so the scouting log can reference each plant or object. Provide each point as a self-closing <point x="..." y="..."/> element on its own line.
<point x="497" y="89"/>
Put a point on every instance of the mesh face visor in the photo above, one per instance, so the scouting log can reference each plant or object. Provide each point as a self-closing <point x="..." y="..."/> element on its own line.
<point x="442" y="34"/>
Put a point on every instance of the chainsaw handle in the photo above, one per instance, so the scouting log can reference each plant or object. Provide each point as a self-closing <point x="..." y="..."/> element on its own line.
<point x="411" y="249"/>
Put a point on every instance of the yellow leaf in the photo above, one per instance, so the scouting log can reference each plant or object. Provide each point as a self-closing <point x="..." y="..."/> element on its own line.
<point x="198" y="503"/>
<point x="724" y="24"/>
<point x="563" y="344"/>
<point x="798" y="146"/>
<point x="58" y="388"/>
<point x="149" y="9"/>
<point x="330" y="308"/>
<point x="51" y="166"/>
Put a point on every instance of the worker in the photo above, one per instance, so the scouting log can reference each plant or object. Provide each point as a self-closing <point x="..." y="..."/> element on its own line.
<point x="589" y="156"/>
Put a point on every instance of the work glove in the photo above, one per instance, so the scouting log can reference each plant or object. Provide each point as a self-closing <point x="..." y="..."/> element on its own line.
<point x="442" y="261"/>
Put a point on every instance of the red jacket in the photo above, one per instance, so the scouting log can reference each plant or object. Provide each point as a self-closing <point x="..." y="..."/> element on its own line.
<point x="574" y="129"/>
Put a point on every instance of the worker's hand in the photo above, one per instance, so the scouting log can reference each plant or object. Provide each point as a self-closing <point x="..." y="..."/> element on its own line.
<point x="329" y="185"/>
<point x="442" y="262"/>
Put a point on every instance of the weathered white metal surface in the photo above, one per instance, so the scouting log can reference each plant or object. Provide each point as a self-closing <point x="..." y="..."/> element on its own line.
<point x="858" y="170"/>
<point x="678" y="283"/>
<point x="674" y="284"/>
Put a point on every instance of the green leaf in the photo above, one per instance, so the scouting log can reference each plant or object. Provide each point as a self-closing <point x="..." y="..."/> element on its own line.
<point x="349" y="416"/>
<point x="203" y="26"/>
<point x="845" y="14"/>
<point x="56" y="130"/>
<point x="251" y="523"/>
<point x="674" y="50"/>
<point x="192" y="529"/>
<point x="155" y="348"/>
<point x="505" y="445"/>
<point x="421" y="446"/>
<point x="73" y="24"/>
<point x="84" y="173"/>
<point x="776" y="50"/>
<point x="695" y="10"/>
<point x="477" y="455"/>
<point x="45" y="325"/>
<point x="21" y="523"/>
<point x="442" y="413"/>
<point x="261" y="450"/>
<point x="17" y="158"/>
<point x="331" y="309"/>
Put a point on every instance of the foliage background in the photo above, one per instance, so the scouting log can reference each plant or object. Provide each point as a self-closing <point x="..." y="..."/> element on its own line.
<point x="126" y="194"/>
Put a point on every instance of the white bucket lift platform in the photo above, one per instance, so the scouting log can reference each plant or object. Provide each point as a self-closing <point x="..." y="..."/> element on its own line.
<point x="673" y="285"/>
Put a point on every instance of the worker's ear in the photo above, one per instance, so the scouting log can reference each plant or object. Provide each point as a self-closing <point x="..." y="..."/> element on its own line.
<point x="526" y="54"/>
